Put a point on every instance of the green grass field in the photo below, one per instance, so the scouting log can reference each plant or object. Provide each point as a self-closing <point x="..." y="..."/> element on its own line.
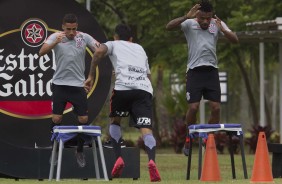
<point x="172" y="168"/>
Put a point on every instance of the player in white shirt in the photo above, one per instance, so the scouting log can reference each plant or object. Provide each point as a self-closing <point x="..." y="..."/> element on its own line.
<point x="132" y="93"/>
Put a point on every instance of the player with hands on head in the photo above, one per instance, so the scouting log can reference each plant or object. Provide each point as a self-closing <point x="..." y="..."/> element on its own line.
<point x="202" y="80"/>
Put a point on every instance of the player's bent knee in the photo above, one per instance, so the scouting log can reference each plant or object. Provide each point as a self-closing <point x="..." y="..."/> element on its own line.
<point x="57" y="119"/>
<point x="193" y="109"/>
<point x="216" y="109"/>
<point x="83" y="119"/>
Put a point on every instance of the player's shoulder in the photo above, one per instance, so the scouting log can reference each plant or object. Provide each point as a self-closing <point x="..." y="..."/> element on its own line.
<point x="83" y="34"/>
<point x="138" y="45"/>
<point x="132" y="44"/>
<point x="53" y="35"/>
<point x="188" y="22"/>
<point x="213" y="20"/>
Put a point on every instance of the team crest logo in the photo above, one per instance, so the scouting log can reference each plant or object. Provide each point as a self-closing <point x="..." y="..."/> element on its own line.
<point x="212" y="28"/>
<point x="79" y="41"/>
<point x="33" y="32"/>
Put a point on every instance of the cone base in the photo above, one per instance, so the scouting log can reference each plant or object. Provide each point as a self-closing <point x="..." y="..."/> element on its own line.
<point x="219" y="180"/>
<point x="262" y="182"/>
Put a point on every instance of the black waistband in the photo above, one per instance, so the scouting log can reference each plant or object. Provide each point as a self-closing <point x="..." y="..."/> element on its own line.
<point x="203" y="68"/>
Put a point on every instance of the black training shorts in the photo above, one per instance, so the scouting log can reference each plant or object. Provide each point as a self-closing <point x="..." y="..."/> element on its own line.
<point x="74" y="95"/>
<point x="203" y="81"/>
<point x="136" y="103"/>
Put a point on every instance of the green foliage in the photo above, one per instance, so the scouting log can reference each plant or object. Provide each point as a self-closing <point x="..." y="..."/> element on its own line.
<point x="178" y="134"/>
<point x="168" y="50"/>
<point x="253" y="139"/>
<point x="176" y="104"/>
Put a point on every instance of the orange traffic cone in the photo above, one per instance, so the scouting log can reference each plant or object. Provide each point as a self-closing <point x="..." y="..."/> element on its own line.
<point x="210" y="171"/>
<point x="262" y="172"/>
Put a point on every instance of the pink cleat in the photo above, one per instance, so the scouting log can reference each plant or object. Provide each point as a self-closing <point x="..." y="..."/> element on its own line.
<point x="118" y="167"/>
<point x="154" y="173"/>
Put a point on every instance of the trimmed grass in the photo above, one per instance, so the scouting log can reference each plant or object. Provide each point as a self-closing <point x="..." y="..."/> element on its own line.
<point x="172" y="168"/>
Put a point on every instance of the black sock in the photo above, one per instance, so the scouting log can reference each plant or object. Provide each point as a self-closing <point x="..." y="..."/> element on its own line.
<point x="151" y="153"/>
<point x="80" y="143"/>
<point x="80" y="140"/>
<point x="116" y="147"/>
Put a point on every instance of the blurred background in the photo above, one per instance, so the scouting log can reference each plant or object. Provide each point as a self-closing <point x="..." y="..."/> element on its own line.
<point x="167" y="53"/>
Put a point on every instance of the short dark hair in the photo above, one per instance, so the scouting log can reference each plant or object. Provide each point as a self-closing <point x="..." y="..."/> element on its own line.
<point x="206" y="6"/>
<point x="123" y="31"/>
<point x="70" y="18"/>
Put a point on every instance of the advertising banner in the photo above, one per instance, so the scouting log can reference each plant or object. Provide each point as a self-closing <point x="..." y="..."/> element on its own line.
<point x="25" y="77"/>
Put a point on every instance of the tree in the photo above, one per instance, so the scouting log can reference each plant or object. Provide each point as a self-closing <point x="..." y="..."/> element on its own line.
<point x="167" y="51"/>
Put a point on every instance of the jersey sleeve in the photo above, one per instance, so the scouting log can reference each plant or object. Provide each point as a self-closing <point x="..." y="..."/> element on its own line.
<point x="109" y="44"/>
<point x="91" y="42"/>
<point x="225" y="27"/>
<point x="185" y="25"/>
<point x="51" y="38"/>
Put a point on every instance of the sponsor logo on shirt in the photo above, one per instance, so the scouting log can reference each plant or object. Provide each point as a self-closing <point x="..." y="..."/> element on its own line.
<point x="136" y="78"/>
<point x="135" y="69"/>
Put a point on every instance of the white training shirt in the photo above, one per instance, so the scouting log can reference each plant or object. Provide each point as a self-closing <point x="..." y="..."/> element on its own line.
<point x="130" y="64"/>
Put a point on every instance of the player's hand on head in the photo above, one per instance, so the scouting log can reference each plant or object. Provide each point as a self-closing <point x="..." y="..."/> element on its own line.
<point x="217" y="19"/>
<point x="218" y="23"/>
<point x="193" y="11"/>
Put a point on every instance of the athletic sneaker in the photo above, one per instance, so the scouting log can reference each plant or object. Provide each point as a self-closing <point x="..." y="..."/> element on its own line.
<point x="154" y="173"/>
<point x="80" y="159"/>
<point x="118" y="167"/>
<point x="186" y="147"/>
<point x="108" y="144"/>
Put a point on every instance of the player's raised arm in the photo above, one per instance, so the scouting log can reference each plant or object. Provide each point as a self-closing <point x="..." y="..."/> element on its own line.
<point x="175" y="23"/>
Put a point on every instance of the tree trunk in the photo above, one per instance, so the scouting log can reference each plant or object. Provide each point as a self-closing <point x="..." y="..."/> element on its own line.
<point x="239" y="61"/>
<point x="156" y="104"/>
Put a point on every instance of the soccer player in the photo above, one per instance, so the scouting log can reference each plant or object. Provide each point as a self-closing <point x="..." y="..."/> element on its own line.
<point x="68" y="80"/>
<point x="132" y="94"/>
<point x="201" y="29"/>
